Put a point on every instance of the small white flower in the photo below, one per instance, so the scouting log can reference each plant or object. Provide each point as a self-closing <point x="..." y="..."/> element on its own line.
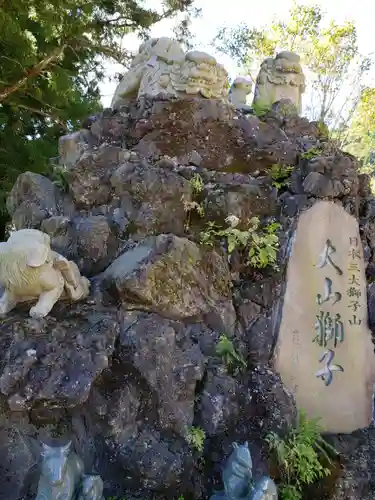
<point x="232" y="220"/>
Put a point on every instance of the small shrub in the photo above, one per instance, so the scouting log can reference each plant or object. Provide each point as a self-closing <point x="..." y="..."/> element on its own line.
<point x="323" y="130"/>
<point x="299" y="456"/>
<point x="226" y="350"/>
<point x="58" y="177"/>
<point x="197" y="184"/>
<point x="261" y="244"/>
<point x="280" y="175"/>
<point x="196" y="438"/>
<point x="189" y="207"/>
<point x="311" y="153"/>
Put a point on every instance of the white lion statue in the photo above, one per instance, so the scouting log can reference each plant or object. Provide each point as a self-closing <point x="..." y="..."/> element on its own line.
<point x="162" y="67"/>
<point x="280" y="78"/>
<point x="30" y="270"/>
<point x="240" y="89"/>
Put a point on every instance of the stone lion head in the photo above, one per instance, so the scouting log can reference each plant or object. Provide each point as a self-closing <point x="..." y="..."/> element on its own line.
<point x="200" y="73"/>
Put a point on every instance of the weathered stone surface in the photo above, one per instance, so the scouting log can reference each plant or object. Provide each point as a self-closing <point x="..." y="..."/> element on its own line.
<point x="73" y="146"/>
<point x="175" y="278"/>
<point x="52" y="362"/>
<point x="274" y="406"/>
<point x="152" y="198"/>
<point x="165" y="357"/>
<point x="17" y="457"/>
<point x="219" y="403"/>
<point x="32" y="199"/>
<point x="89" y="178"/>
<point x="90" y="241"/>
<point x="266" y="144"/>
<point x="256" y="198"/>
<point x="331" y="177"/>
<point x="111" y="128"/>
<point x="306" y="343"/>
<point x="356" y="480"/>
<point x="207" y="127"/>
<point x="260" y="338"/>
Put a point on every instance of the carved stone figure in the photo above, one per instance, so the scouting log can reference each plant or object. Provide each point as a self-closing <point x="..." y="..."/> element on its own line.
<point x="237" y="479"/>
<point x="161" y="67"/>
<point x="240" y="89"/>
<point x="91" y="488"/>
<point x="31" y="270"/>
<point x="62" y="476"/>
<point x="280" y="78"/>
<point x="61" y="473"/>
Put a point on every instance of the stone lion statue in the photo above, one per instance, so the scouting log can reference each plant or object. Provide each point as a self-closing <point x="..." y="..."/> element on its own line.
<point x="30" y="270"/>
<point x="240" y="89"/>
<point x="280" y="78"/>
<point x="162" y="67"/>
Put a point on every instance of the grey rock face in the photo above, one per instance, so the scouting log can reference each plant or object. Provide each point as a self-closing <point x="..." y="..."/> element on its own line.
<point x="126" y="374"/>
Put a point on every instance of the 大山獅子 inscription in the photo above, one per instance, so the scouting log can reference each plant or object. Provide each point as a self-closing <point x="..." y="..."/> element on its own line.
<point x="328" y="328"/>
<point x="332" y="372"/>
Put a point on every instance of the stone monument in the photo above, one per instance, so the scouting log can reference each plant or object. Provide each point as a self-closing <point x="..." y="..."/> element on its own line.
<point x="30" y="270"/>
<point x="162" y="67"/>
<point x="238" y="479"/>
<point x="280" y="78"/>
<point x="324" y="352"/>
<point x="239" y="90"/>
<point x="62" y="476"/>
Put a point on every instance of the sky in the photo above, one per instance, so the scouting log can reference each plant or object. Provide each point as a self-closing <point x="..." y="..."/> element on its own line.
<point x="219" y="13"/>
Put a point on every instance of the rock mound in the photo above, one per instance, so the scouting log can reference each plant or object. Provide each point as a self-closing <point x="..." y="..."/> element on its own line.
<point x="127" y="373"/>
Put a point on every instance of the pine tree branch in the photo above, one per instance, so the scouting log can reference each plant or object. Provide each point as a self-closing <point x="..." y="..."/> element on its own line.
<point x="31" y="73"/>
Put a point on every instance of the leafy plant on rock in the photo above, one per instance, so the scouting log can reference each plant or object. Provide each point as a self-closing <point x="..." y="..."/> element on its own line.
<point x="233" y="360"/>
<point x="260" y="244"/>
<point x="300" y="455"/>
<point x="196" y="183"/>
<point x="280" y="175"/>
<point x="311" y="153"/>
<point x="58" y="177"/>
<point x="260" y="109"/>
<point x="196" y="438"/>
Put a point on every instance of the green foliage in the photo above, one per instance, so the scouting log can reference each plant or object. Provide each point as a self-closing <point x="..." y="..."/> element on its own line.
<point x="197" y="186"/>
<point x="261" y="244"/>
<point x="329" y="50"/>
<point x="280" y="175"/>
<point x="323" y="130"/>
<point x="311" y="153"/>
<point x="359" y="138"/>
<point x="58" y="177"/>
<point x="196" y="183"/>
<point x="300" y="456"/>
<point x="260" y="109"/>
<point x="52" y="58"/>
<point x="233" y="360"/>
<point x="189" y="207"/>
<point x="196" y="438"/>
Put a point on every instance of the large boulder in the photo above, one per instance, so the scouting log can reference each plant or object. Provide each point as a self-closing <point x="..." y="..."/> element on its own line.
<point x="173" y="277"/>
<point x="152" y="198"/>
<point x="34" y="198"/>
<point x="54" y="361"/>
